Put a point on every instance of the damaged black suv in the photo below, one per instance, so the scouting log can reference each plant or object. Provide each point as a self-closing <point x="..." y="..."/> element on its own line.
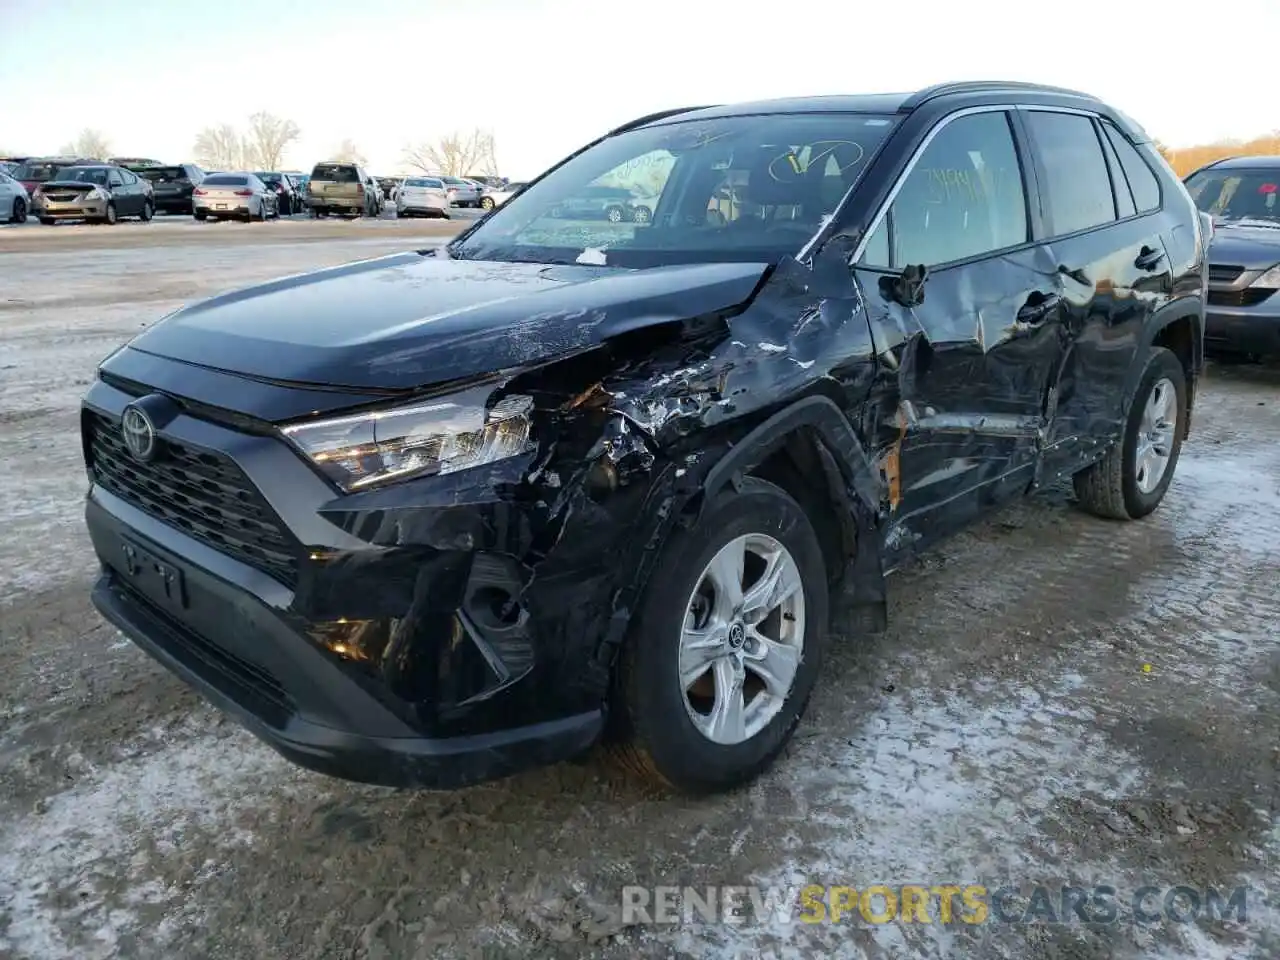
<point x="435" y="517"/>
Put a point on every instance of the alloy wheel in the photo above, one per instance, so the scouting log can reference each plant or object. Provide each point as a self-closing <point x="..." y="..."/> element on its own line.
<point x="743" y="638"/>
<point x="1155" y="436"/>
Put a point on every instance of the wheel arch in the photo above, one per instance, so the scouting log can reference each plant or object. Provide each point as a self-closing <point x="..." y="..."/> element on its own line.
<point x="810" y="450"/>
<point x="1179" y="327"/>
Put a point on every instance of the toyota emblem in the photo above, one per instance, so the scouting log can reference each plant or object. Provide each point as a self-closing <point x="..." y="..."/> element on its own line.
<point x="139" y="433"/>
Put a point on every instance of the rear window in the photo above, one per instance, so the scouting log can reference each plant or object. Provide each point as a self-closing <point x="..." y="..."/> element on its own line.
<point x="37" y="171"/>
<point x="423" y="182"/>
<point x="335" y="173"/>
<point x="270" y="177"/>
<point x="225" y="180"/>
<point x="161" y="174"/>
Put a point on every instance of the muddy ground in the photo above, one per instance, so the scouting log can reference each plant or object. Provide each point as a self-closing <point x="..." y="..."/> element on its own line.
<point x="1060" y="700"/>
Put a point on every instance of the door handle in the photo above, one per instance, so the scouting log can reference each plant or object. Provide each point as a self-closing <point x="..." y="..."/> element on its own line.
<point x="1036" y="311"/>
<point x="1148" y="259"/>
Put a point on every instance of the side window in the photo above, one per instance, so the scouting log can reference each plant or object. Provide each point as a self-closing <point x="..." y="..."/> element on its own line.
<point x="963" y="198"/>
<point x="114" y="180"/>
<point x="1078" y="185"/>
<point x="1123" y="195"/>
<point x="1143" y="183"/>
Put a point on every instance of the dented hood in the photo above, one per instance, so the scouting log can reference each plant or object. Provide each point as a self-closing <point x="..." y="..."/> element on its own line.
<point x="412" y="320"/>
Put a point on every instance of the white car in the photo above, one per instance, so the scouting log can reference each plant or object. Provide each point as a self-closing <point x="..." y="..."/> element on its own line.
<point x="422" y="196"/>
<point x="497" y="196"/>
<point x="14" y="202"/>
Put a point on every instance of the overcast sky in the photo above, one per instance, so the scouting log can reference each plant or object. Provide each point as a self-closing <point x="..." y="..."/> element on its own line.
<point x="548" y="75"/>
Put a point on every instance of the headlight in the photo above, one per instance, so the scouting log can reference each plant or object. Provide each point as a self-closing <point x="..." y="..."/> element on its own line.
<point x="1270" y="279"/>
<point x="435" y="437"/>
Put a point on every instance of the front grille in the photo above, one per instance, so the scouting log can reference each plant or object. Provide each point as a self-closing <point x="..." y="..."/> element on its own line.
<point x="1223" y="273"/>
<point x="201" y="493"/>
<point x="1248" y="297"/>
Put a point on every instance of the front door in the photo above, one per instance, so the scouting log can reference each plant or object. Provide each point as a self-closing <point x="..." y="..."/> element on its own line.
<point x="970" y="355"/>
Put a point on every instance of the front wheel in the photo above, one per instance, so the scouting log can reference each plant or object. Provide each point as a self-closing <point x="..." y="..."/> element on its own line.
<point x="111" y="218"/>
<point x="711" y="685"/>
<point x="615" y="214"/>
<point x="1131" y="480"/>
<point x="148" y="211"/>
<point x="641" y="215"/>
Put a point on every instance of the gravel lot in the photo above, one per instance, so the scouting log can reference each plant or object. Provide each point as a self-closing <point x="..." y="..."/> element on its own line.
<point x="1007" y="731"/>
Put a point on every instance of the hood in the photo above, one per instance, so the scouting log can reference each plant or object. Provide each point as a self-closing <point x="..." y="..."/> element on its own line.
<point x="72" y="185"/>
<point x="1251" y="244"/>
<point x="412" y="320"/>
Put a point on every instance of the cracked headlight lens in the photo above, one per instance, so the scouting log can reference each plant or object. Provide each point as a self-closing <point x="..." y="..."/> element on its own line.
<point x="1269" y="280"/>
<point x="438" y="436"/>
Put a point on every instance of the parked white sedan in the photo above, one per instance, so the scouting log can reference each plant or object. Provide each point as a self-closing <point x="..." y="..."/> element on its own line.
<point x="14" y="202"/>
<point x="422" y="196"/>
<point x="497" y="196"/>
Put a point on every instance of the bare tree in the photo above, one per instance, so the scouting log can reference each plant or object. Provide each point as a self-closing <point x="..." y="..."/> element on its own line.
<point x="267" y="139"/>
<point x="220" y="148"/>
<point x="348" y="152"/>
<point x="90" y="143"/>
<point x="456" y="155"/>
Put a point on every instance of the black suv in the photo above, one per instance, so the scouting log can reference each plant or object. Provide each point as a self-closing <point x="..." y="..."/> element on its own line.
<point x="435" y="517"/>
<point x="173" y="186"/>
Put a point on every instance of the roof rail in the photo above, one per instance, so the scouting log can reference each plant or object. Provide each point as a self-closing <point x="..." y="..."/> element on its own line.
<point x="983" y="86"/>
<point x="651" y="117"/>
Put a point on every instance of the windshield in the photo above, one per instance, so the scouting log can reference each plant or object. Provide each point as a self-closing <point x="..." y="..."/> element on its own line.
<point x="744" y="188"/>
<point x="1237" y="194"/>
<point x="84" y="174"/>
<point x="37" y="172"/>
<point x="161" y="174"/>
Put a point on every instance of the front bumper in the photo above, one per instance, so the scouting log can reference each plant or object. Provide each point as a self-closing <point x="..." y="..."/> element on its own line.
<point x="1249" y="330"/>
<point x="71" y="210"/>
<point x="438" y="661"/>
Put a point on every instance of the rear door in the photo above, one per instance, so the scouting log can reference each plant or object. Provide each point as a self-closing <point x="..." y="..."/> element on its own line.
<point x="1102" y="215"/>
<point x="970" y="366"/>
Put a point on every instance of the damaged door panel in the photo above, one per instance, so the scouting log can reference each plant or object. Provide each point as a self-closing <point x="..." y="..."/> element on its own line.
<point x="972" y="354"/>
<point x="1115" y="272"/>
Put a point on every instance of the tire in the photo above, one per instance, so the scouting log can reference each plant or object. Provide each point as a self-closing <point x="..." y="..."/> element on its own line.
<point x="654" y="732"/>
<point x="615" y="214"/>
<point x="486" y="203"/>
<point x="112" y="218"/>
<point x="1114" y="486"/>
<point x="199" y="214"/>
<point x="48" y="221"/>
<point x="148" y="211"/>
<point x="19" y="212"/>
<point x="641" y="214"/>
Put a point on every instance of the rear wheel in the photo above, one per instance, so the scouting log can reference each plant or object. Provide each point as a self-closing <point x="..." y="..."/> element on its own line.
<point x="1131" y="480"/>
<point x="615" y="214"/>
<point x="199" y="214"/>
<point x="641" y="215"/>
<point x="19" y="212"/>
<point x="486" y="203"/>
<point x="711" y="686"/>
<point x="47" y="221"/>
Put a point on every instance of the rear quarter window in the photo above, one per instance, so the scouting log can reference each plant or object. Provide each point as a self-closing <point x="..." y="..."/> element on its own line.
<point x="335" y="174"/>
<point x="1142" y="182"/>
